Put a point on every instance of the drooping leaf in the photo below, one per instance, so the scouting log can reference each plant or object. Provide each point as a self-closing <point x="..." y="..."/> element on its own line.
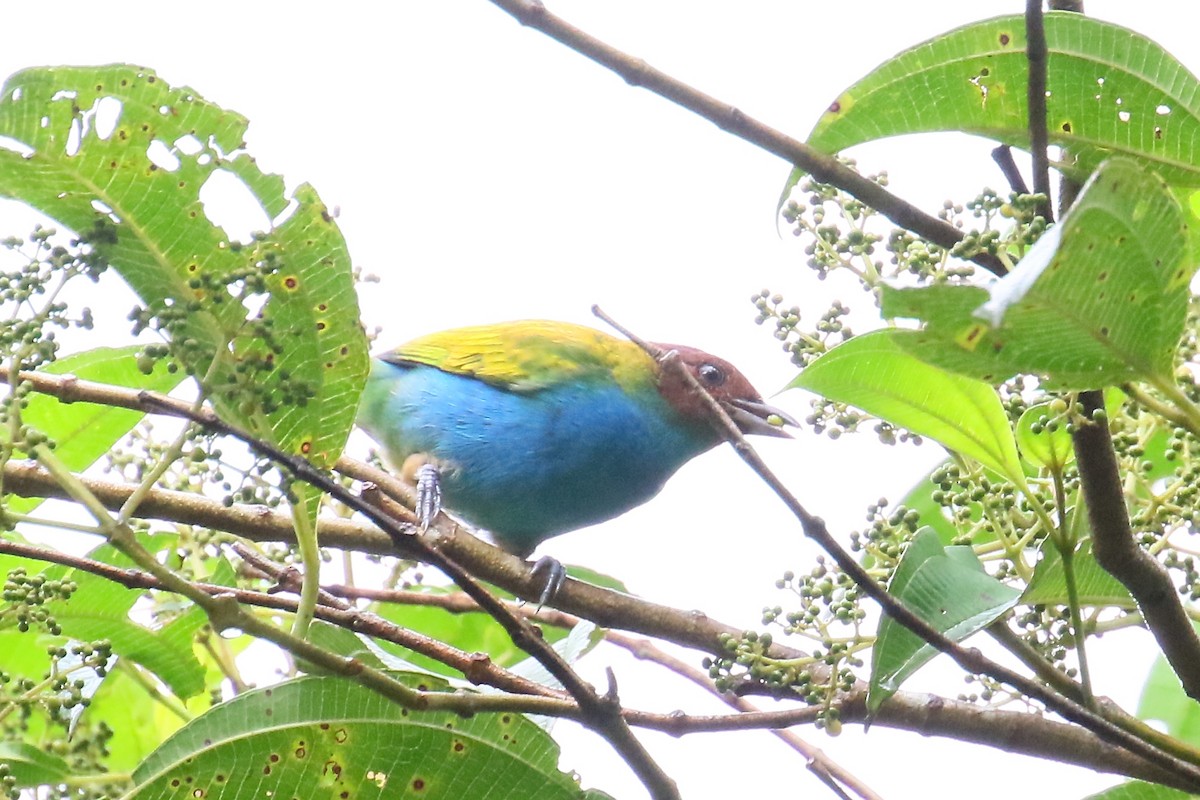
<point x="138" y="723"/>
<point x="1100" y="300"/>
<point x="874" y="374"/>
<point x="1110" y="91"/>
<point x="326" y="736"/>
<point x="949" y="589"/>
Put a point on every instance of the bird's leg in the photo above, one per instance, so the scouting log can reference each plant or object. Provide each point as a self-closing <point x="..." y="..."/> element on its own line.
<point x="554" y="573"/>
<point x="429" y="494"/>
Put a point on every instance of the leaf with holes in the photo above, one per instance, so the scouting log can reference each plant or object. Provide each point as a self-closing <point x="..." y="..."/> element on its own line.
<point x="948" y="588"/>
<point x="330" y="737"/>
<point x="121" y="157"/>
<point x="1101" y="299"/>
<point x="1109" y="91"/>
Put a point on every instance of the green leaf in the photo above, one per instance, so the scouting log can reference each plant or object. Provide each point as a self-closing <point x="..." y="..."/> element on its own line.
<point x="83" y="432"/>
<point x="1046" y="447"/>
<point x="99" y="609"/>
<point x="1163" y="699"/>
<point x="930" y="514"/>
<point x="325" y="736"/>
<point x="948" y="588"/>
<point x="597" y="578"/>
<point x="1109" y="91"/>
<point x="32" y="766"/>
<point x="874" y="374"/>
<point x="139" y="723"/>
<point x="1140" y="790"/>
<point x="346" y="644"/>
<point x="472" y="631"/>
<point x="1096" y="587"/>
<point x="132" y="187"/>
<point x="1101" y="299"/>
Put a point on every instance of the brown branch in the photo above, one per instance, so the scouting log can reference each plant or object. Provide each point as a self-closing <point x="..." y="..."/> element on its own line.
<point x="930" y="716"/>
<point x="476" y="668"/>
<point x="821" y="166"/>
<point x="1013" y="731"/>
<point x="601" y="713"/>
<point x="1002" y="155"/>
<point x="969" y="659"/>
<point x="826" y="770"/>
<point x="1120" y="555"/>
<point x="1113" y="543"/>
<point x="1039" y="139"/>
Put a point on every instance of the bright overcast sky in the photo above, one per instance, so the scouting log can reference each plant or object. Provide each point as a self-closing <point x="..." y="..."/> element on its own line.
<point x="486" y="173"/>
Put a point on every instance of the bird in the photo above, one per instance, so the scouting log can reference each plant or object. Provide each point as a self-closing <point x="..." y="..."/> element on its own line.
<point x="534" y="428"/>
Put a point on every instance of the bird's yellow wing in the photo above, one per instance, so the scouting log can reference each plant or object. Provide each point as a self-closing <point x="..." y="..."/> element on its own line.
<point x="528" y="355"/>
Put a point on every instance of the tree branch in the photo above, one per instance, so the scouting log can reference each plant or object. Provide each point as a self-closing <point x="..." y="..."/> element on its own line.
<point x="1100" y="477"/>
<point x="969" y="659"/>
<point x="1030" y="734"/>
<point x="821" y="166"/>
<point x="1120" y="555"/>
<point x="928" y="715"/>
<point x="601" y="713"/>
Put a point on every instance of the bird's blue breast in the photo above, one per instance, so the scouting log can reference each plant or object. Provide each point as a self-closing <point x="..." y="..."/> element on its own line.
<point x="528" y="466"/>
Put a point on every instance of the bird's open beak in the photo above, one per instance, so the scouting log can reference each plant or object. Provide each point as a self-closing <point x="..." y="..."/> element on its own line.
<point x="753" y="416"/>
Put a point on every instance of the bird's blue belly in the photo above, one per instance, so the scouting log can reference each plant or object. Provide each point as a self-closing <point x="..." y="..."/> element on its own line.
<point x="527" y="466"/>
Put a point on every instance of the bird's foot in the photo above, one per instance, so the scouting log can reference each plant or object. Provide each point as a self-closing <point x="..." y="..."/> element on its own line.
<point x="553" y="573"/>
<point x="429" y="494"/>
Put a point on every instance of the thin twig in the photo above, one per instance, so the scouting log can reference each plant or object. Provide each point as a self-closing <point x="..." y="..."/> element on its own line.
<point x="1033" y="735"/>
<point x="828" y="771"/>
<point x="969" y="659"/>
<point x="821" y="166"/>
<point x="1002" y="155"/>
<point x="601" y="713"/>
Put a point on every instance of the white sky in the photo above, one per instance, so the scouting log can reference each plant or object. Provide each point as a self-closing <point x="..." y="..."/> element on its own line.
<point x="486" y="173"/>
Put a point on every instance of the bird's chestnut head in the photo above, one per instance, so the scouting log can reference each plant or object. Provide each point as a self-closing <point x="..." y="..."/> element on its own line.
<point x="728" y="386"/>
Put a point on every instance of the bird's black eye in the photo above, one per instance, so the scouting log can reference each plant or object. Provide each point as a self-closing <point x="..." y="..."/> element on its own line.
<point x="711" y="374"/>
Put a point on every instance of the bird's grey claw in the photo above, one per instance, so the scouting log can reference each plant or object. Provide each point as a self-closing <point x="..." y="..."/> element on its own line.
<point x="553" y="572"/>
<point x="429" y="494"/>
